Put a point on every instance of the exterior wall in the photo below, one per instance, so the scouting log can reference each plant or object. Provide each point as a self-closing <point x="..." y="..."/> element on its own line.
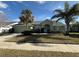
<point x="75" y="28"/>
<point x="19" y="28"/>
<point x="52" y="27"/>
<point x="61" y="28"/>
<point x="57" y="28"/>
<point x="37" y="26"/>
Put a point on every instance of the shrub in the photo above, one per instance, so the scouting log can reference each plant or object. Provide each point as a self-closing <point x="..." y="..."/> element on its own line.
<point x="36" y="31"/>
<point x="11" y="30"/>
<point x="27" y="32"/>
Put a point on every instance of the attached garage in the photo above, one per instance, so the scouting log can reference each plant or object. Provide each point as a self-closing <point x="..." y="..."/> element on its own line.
<point x="19" y="28"/>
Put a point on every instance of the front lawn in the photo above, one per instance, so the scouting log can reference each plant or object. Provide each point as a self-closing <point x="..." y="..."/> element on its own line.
<point x="49" y="38"/>
<point x="74" y="33"/>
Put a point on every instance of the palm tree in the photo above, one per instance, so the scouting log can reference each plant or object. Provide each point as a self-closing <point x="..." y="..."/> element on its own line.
<point x="26" y="17"/>
<point x="66" y="15"/>
<point x="75" y="10"/>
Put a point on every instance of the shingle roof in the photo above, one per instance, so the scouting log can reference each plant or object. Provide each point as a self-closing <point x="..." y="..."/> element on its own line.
<point x="3" y="24"/>
<point x="58" y="24"/>
<point x="37" y="22"/>
<point x="54" y="23"/>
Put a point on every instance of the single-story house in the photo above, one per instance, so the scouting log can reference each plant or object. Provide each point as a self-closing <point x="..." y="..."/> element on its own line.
<point x="46" y="25"/>
<point x="51" y="26"/>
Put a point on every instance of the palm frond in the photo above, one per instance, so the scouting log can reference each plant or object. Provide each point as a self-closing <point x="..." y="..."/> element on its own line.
<point x="58" y="19"/>
<point x="74" y="10"/>
<point x="59" y="11"/>
<point x="71" y="19"/>
<point x="55" y="16"/>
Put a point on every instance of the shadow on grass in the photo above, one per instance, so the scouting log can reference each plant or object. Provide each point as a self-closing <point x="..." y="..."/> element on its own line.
<point x="33" y="39"/>
<point x="48" y="38"/>
<point x="21" y="35"/>
<point x="74" y="35"/>
<point x="56" y="38"/>
<point x="29" y="39"/>
<point x="5" y="34"/>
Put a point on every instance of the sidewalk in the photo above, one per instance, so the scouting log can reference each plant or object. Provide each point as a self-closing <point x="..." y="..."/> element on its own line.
<point x="41" y="47"/>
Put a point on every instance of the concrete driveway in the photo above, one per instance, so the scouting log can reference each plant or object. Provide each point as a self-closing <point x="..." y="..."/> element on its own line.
<point x="4" y="37"/>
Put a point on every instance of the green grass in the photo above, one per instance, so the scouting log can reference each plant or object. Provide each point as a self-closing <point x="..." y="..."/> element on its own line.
<point x="5" y="34"/>
<point x="55" y="38"/>
<point x="27" y="53"/>
<point x="74" y="33"/>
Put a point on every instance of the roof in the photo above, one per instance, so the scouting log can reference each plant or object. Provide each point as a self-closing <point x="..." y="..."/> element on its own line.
<point x="37" y="22"/>
<point x="58" y="24"/>
<point x="3" y="24"/>
<point x="54" y="23"/>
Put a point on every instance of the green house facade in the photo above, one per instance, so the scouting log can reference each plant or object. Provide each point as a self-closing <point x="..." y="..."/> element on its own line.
<point x="47" y="25"/>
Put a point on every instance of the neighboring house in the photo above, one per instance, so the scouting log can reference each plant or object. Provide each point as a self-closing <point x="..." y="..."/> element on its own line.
<point x="46" y="25"/>
<point x="5" y="26"/>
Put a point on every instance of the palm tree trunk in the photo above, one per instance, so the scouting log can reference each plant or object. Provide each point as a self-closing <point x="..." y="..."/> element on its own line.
<point x="67" y="28"/>
<point x="26" y="26"/>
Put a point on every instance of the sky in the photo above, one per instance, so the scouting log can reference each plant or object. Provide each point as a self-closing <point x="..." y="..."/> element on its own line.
<point x="41" y="10"/>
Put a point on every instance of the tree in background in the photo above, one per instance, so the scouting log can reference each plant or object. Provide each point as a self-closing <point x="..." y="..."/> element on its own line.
<point x="26" y="17"/>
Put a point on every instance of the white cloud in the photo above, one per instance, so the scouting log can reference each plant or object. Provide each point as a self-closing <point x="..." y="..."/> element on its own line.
<point x="17" y="19"/>
<point x="3" y="5"/>
<point x="43" y="17"/>
<point x="40" y="2"/>
<point x="1" y="12"/>
<point x="20" y="1"/>
<point x="58" y="7"/>
<point x="46" y="18"/>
